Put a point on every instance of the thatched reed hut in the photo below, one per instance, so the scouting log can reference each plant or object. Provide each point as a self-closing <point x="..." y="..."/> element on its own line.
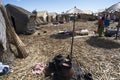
<point x="23" y="20"/>
<point x="53" y="17"/>
<point x="8" y="36"/>
<point x="43" y="15"/>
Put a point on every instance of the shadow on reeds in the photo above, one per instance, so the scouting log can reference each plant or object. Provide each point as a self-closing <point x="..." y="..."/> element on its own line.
<point x="60" y="36"/>
<point x="102" y="43"/>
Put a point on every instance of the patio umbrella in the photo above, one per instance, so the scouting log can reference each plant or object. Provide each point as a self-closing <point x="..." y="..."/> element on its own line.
<point x="74" y="11"/>
<point x="113" y="8"/>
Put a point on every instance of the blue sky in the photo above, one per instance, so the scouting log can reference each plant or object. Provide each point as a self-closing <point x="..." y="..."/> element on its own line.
<point x="61" y="5"/>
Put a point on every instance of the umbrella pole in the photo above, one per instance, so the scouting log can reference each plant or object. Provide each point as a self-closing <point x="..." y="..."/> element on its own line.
<point x="73" y="32"/>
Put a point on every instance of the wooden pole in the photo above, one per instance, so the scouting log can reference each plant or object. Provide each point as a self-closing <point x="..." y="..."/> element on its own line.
<point x="73" y="33"/>
<point x="22" y="53"/>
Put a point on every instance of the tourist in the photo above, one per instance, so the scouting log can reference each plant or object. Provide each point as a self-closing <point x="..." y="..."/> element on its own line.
<point x="107" y="21"/>
<point x="114" y="18"/>
<point x="118" y="27"/>
<point x="100" y="26"/>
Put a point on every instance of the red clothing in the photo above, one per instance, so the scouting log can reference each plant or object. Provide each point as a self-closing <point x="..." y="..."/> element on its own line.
<point x="100" y="22"/>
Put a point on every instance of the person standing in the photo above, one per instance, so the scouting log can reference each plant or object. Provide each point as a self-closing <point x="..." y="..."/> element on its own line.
<point x="107" y="21"/>
<point x="114" y="18"/>
<point x="100" y="26"/>
<point x="118" y="27"/>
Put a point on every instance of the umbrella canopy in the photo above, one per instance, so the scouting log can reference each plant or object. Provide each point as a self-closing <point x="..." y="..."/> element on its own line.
<point x="87" y="12"/>
<point x="74" y="11"/>
<point x="113" y="8"/>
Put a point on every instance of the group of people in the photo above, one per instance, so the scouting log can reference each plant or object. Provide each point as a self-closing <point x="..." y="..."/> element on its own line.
<point x="103" y="22"/>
